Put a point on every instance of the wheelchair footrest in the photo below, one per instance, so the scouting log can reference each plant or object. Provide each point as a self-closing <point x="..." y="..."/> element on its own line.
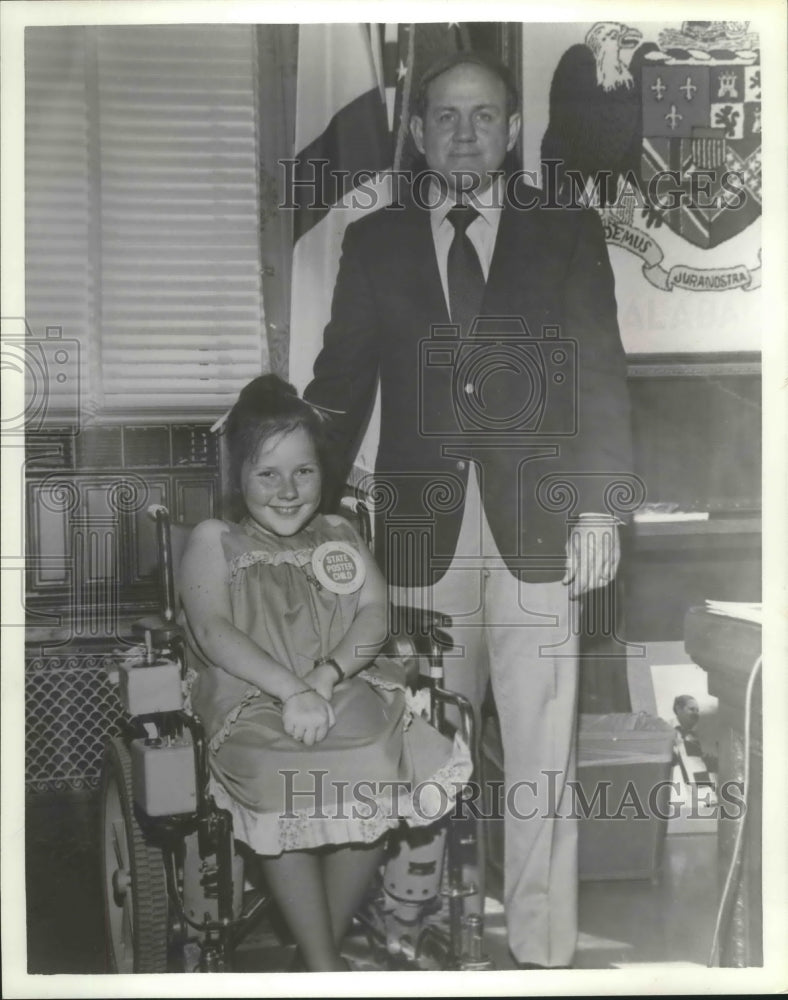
<point x="460" y="891"/>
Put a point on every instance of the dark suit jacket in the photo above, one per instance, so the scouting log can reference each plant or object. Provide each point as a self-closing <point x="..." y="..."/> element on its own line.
<point x="536" y="396"/>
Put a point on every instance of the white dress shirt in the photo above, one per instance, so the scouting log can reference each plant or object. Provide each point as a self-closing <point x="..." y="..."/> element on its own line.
<point x="482" y="232"/>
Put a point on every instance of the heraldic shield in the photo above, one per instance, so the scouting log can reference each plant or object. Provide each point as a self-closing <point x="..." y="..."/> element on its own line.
<point x="702" y="117"/>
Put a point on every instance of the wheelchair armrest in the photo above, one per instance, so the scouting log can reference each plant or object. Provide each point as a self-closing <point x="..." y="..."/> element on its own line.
<point x="404" y="648"/>
<point x="416" y="635"/>
<point x="409" y="643"/>
<point x="420" y="621"/>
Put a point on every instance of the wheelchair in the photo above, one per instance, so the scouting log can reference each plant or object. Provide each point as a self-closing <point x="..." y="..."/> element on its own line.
<point x="179" y="894"/>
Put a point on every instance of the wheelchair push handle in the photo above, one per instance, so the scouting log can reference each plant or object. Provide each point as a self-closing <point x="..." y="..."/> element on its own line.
<point x="161" y="516"/>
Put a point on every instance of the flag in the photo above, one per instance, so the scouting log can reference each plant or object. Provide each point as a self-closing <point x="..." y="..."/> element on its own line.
<point x="355" y="85"/>
<point x="341" y="120"/>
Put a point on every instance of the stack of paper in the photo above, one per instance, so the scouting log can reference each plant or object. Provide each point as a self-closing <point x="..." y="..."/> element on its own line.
<point x="736" y="609"/>
<point x="665" y="511"/>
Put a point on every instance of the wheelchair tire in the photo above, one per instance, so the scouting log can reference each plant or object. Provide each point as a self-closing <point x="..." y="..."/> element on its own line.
<point x="133" y="876"/>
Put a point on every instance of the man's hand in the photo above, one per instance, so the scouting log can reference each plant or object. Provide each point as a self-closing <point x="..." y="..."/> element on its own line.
<point x="307" y="717"/>
<point x="592" y="556"/>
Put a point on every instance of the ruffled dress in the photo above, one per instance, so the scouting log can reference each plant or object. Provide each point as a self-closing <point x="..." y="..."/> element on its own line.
<point x="381" y="762"/>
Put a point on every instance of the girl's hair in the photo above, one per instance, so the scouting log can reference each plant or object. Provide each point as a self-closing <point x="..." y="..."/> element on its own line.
<point x="269" y="406"/>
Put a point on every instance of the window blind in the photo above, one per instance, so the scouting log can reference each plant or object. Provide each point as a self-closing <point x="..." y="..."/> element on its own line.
<point x="143" y="211"/>
<point x="181" y="306"/>
<point x="58" y="283"/>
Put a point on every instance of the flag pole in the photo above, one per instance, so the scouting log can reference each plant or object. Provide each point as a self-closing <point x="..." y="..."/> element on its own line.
<point x="402" y="131"/>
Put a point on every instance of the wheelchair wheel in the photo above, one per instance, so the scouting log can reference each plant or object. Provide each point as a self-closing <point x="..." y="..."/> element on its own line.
<point x="134" y="882"/>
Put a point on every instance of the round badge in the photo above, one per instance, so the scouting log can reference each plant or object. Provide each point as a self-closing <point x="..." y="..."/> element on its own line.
<point x="338" y="567"/>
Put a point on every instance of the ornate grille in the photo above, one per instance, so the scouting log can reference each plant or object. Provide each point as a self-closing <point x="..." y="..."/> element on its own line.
<point x="71" y="707"/>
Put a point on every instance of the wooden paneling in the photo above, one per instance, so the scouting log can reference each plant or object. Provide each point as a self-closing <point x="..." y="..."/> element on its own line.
<point x="697" y="429"/>
<point x="91" y="551"/>
<point x="47" y="529"/>
<point x="194" y="500"/>
<point x="697" y="432"/>
<point x="665" y="572"/>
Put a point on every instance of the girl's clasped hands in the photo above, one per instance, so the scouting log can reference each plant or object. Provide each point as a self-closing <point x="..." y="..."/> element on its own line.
<point x="307" y="715"/>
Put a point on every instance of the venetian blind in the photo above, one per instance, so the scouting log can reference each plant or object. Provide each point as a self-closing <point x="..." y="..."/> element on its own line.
<point x="158" y="241"/>
<point x="58" y="285"/>
<point x="181" y="307"/>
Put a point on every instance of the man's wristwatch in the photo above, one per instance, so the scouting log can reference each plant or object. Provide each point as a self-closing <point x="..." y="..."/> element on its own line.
<point x="331" y="662"/>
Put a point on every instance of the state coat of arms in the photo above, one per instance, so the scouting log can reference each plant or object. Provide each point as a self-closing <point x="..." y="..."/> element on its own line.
<point x="663" y="134"/>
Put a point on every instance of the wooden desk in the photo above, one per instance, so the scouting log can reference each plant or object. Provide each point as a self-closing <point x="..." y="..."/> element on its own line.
<point x="727" y="648"/>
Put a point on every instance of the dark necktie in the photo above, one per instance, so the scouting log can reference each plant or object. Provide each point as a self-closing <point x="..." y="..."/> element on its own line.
<point x="464" y="271"/>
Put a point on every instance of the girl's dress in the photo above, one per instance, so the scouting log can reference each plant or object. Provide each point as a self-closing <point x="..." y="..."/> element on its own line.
<point x="379" y="764"/>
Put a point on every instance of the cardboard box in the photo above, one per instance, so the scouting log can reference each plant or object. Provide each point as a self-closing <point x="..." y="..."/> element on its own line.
<point x="622" y="796"/>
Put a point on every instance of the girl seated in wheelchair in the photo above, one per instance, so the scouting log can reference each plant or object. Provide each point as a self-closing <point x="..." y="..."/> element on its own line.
<point x="313" y="749"/>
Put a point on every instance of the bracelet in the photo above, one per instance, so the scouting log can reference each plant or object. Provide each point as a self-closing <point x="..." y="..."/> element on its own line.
<point x="330" y="662"/>
<point x="295" y="694"/>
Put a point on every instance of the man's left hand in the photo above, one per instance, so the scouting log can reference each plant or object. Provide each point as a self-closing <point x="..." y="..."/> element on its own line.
<point x="593" y="553"/>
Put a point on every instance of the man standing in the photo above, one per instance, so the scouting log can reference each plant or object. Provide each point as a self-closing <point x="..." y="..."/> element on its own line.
<point x="489" y="317"/>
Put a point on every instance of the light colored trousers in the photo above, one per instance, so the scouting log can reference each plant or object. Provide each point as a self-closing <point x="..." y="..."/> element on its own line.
<point x="524" y="637"/>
